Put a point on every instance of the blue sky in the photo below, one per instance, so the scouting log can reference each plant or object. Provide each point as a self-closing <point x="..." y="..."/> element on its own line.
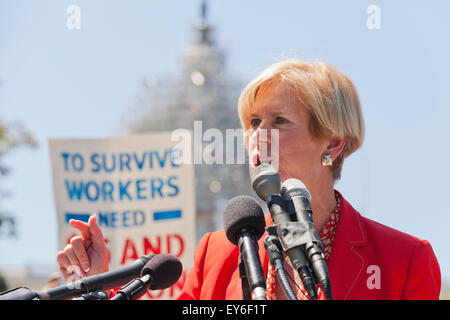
<point x="78" y="83"/>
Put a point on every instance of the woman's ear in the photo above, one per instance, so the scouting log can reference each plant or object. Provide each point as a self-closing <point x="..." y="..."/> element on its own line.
<point x="335" y="147"/>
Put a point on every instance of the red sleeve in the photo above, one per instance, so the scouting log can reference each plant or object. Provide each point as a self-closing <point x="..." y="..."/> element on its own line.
<point x="423" y="281"/>
<point x="193" y="285"/>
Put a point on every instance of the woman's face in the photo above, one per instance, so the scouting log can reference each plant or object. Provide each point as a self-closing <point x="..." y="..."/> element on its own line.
<point x="299" y="156"/>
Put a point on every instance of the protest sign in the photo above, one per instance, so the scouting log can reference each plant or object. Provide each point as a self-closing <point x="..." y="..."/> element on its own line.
<point x="142" y="194"/>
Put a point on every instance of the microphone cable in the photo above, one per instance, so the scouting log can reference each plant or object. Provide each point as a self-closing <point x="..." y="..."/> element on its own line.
<point x="272" y="245"/>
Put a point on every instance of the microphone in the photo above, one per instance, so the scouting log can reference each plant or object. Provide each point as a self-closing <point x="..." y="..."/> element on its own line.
<point x="244" y="224"/>
<point x="19" y="293"/>
<point x="159" y="273"/>
<point x="297" y="192"/>
<point x="95" y="295"/>
<point x="267" y="184"/>
<point x="103" y="281"/>
<point x="272" y="245"/>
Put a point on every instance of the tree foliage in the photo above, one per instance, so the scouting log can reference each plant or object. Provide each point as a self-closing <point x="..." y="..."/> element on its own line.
<point x="12" y="136"/>
<point x="3" y="284"/>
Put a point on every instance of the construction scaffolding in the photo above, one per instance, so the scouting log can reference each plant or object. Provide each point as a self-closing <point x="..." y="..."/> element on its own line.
<point x="201" y="91"/>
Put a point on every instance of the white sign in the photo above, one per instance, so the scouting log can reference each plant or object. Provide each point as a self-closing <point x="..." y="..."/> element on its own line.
<point x="143" y="197"/>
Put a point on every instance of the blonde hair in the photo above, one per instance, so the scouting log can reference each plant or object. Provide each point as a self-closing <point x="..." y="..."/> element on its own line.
<point x="328" y="95"/>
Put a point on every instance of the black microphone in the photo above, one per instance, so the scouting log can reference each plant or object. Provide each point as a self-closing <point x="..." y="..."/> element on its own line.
<point x="267" y="184"/>
<point x="244" y="224"/>
<point x="20" y="293"/>
<point x="161" y="272"/>
<point x="95" y="295"/>
<point x="103" y="281"/>
<point x="273" y="249"/>
<point x="297" y="192"/>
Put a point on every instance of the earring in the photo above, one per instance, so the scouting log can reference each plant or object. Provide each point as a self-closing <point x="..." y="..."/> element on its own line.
<point x="327" y="160"/>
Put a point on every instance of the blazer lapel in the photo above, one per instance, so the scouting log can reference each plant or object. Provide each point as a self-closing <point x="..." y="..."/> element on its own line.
<point x="347" y="265"/>
<point x="262" y="250"/>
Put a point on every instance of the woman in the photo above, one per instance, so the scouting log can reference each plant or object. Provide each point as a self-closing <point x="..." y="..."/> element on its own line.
<point x="316" y="111"/>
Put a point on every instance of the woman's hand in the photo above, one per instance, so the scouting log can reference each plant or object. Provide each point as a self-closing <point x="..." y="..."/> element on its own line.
<point x="85" y="255"/>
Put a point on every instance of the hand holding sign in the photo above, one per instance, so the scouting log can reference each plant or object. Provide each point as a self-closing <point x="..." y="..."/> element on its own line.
<point x="87" y="253"/>
<point x="142" y="195"/>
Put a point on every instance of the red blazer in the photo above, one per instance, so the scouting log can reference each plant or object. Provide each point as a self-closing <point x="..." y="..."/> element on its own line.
<point x="368" y="261"/>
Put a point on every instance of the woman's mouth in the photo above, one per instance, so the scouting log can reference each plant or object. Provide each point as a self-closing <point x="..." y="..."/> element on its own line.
<point x="258" y="159"/>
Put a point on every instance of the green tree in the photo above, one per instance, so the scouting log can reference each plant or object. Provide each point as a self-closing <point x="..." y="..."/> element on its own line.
<point x="3" y="284"/>
<point x="12" y="136"/>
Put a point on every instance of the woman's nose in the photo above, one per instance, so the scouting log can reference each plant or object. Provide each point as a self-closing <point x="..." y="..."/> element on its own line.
<point x="260" y="138"/>
<point x="262" y="134"/>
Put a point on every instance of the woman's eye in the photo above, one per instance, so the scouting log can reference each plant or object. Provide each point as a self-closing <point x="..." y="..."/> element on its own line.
<point x="255" y="123"/>
<point x="281" y="120"/>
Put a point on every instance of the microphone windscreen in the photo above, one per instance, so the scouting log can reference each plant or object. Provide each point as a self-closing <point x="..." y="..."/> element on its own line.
<point x="165" y="269"/>
<point x="294" y="187"/>
<point x="243" y="212"/>
<point x="265" y="181"/>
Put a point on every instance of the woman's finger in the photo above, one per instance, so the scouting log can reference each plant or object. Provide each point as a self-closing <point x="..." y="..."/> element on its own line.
<point x="96" y="233"/>
<point x="80" y="252"/>
<point x="62" y="260"/>
<point x="64" y="272"/>
<point x="82" y="227"/>
<point x="75" y="266"/>
<point x="64" y="264"/>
